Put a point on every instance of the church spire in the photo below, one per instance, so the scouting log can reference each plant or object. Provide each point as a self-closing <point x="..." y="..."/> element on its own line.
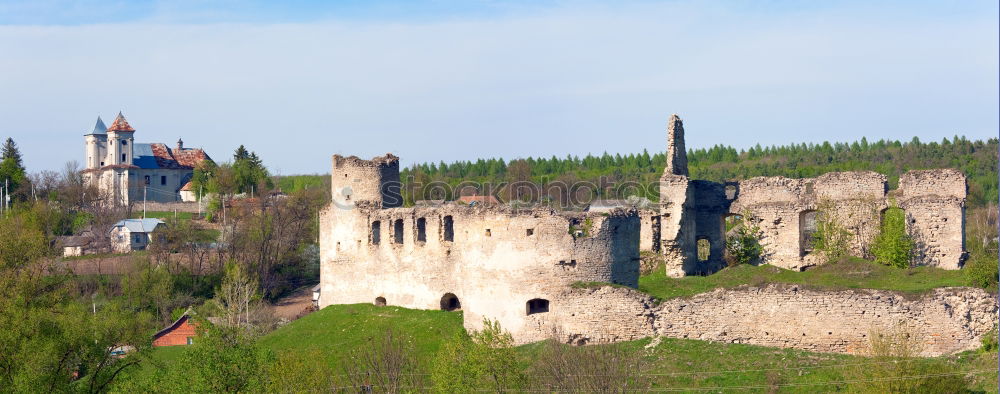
<point x="99" y="127"/>
<point x="120" y="124"/>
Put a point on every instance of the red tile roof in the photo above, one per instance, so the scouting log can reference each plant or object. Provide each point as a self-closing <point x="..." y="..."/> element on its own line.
<point x="120" y="124"/>
<point x="179" y="159"/>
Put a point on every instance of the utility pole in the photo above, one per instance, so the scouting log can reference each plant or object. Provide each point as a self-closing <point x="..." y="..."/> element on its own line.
<point x="199" y="201"/>
<point x="144" y="201"/>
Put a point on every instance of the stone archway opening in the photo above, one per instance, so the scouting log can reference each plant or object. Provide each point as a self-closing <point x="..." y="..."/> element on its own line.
<point x="380" y="301"/>
<point x="450" y="302"/>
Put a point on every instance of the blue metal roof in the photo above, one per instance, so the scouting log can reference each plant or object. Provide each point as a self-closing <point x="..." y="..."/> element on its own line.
<point x="139" y="225"/>
<point x="99" y="127"/>
<point x="143" y="156"/>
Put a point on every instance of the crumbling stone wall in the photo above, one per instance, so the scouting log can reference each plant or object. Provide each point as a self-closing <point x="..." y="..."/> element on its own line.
<point x="496" y="261"/>
<point x="375" y="182"/>
<point x="945" y="320"/>
<point x="934" y="202"/>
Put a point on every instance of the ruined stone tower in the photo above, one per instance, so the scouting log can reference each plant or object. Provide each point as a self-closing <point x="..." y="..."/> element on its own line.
<point x="366" y="183"/>
<point x="677" y="162"/>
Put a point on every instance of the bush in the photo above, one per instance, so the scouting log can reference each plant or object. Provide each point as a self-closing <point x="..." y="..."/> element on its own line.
<point x="743" y="244"/>
<point x="982" y="272"/>
<point x="989" y="341"/>
<point x="893" y="246"/>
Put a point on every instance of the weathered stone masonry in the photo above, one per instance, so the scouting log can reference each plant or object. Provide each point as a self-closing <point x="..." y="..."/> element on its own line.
<point x="691" y="210"/>
<point x="518" y="266"/>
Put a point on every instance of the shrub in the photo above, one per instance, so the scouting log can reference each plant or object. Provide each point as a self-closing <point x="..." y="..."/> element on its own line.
<point x="893" y="246"/>
<point x="982" y="272"/>
<point x="743" y="244"/>
<point x="830" y="238"/>
<point x="989" y="341"/>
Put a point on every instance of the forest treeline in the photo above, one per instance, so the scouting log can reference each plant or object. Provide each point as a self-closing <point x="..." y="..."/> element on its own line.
<point x="603" y="176"/>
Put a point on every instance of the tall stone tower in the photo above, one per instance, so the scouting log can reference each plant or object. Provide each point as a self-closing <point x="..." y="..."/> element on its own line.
<point x="677" y="162"/>
<point x="120" y="141"/>
<point x="96" y="145"/>
<point x="366" y="183"/>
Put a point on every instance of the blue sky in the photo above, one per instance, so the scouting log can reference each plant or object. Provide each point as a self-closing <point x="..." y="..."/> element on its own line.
<point x="298" y="81"/>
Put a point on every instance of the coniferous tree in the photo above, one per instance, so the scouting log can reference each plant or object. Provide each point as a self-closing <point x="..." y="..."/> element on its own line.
<point x="12" y="172"/>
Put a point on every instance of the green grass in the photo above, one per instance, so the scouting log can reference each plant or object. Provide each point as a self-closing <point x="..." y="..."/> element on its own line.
<point x="850" y="273"/>
<point x="336" y="330"/>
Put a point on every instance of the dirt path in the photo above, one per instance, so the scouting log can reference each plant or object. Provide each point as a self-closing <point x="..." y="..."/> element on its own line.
<point x="295" y="305"/>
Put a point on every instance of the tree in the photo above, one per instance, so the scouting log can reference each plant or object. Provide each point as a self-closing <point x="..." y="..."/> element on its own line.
<point x="386" y="365"/>
<point x="485" y="360"/>
<point x="238" y="297"/>
<point x="893" y="246"/>
<point x="12" y="173"/>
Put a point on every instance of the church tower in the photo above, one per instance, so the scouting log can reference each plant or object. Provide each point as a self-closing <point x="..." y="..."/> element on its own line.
<point x="96" y="145"/>
<point x="120" y="141"/>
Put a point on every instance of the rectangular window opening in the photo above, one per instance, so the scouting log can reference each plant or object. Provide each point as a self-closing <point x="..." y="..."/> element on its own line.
<point x="397" y="231"/>
<point x="421" y="230"/>
<point x="376" y="232"/>
<point x="449" y="229"/>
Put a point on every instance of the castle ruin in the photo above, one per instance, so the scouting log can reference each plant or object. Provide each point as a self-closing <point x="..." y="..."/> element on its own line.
<point x="543" y="273"/>
<point x="787" y="211"/>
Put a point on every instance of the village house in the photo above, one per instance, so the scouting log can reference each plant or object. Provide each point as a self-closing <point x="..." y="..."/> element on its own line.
<point x="133" y="234"/>
<point x="179" y="333"/>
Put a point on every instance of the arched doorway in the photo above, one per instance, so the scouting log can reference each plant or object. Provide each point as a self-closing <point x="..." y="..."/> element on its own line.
<point x="380" y="301"/>
<point x="450" y="302"/>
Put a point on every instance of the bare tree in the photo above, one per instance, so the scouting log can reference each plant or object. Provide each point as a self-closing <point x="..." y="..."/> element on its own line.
<point x="385" y="365"/>
<point x="585" y="369"/>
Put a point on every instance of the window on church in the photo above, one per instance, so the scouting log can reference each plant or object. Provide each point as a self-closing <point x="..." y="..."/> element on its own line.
<point x="124" y="142"/>
<point x="147" y="180"/>
<point x="163" y="180"/>
<point x="123" y="157"/>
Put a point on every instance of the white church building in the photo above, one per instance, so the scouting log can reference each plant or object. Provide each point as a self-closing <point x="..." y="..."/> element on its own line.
<point x="127" y="172"/>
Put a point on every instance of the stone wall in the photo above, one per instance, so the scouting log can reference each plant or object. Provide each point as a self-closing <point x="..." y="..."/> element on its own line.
<point x="945" y="320"/>
<point x="934" y="202"/>
<point x="496" y="260"/>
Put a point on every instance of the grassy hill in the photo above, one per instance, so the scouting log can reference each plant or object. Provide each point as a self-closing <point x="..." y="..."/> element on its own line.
<point x="672" y="364"/>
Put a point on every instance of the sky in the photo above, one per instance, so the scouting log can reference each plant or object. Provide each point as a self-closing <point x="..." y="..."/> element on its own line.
<point x="427" y="80"/>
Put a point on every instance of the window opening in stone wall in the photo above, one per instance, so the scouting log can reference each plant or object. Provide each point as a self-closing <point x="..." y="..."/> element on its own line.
<point x="488" y="233"/>
<point x="376" y="232"/>
<point x="450" y="302"/>
<point x="730" y="192"/>
<point x="529" y="232"/>
<point x="449" y="229"/>
<point x="397" y="231"/>
<point x="380" y="301"/>
<point x="123" y="157"/>
<point x="537" y="305"/>
<point x="807" y="231"/>
<point x="421" y="230"/>
<point x="704" y="249"/>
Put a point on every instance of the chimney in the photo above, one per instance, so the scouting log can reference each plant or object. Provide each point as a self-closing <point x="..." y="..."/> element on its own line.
<point x="180" y="144"/>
